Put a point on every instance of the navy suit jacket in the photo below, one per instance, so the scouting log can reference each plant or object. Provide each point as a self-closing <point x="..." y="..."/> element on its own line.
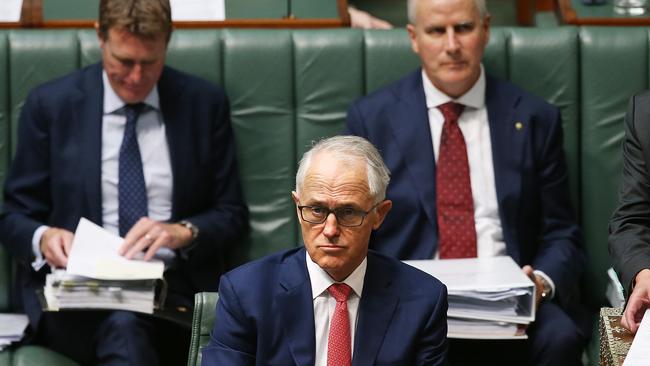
<point x="539" y="227"/>
<point x="55" y="178"/>
<point x="265" y="315"/>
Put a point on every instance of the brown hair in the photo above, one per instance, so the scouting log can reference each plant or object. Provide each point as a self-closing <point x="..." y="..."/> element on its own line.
<point x="144" y="18"/>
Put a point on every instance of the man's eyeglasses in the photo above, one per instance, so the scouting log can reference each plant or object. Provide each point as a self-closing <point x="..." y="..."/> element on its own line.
<point x="345" y="216"/>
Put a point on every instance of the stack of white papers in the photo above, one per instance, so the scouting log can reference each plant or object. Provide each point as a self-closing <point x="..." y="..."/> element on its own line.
<point x="97" y="277"/>
<point x="483" y="329"/>
<point x="489" y="298"/>
<point x="66" y="291"/>
<point x="12" y="328"/>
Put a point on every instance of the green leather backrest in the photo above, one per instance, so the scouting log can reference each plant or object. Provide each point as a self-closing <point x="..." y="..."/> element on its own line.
<point x="256" y="9"/>
<point x="70" y="9"/>
<point x="203" y="319"/>
<point x="614" y="66"/>
<point x="289" y="87"/>
<point x="35" y="57"/>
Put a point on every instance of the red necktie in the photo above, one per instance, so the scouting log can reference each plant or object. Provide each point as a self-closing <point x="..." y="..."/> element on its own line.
<point x="456" y="229"/>
<point x="339" y="352"/>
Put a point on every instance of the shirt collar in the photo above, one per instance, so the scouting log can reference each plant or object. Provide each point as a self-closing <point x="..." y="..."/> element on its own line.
<point x="320" y="280"/>
<point x="113" y="103"/>
<point x="474" y="98"/>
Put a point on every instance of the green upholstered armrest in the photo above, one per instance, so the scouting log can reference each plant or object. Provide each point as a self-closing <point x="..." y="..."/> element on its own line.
<point x="205" y="304"/>
<point x="35" y="355"/>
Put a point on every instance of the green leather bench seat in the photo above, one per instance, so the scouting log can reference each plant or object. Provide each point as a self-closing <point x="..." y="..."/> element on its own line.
<point x="289" y="87"/>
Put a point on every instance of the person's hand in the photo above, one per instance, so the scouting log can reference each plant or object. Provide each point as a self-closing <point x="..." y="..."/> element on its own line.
<point x="55" y="246"/>
<point x="539" y="285"/>
<point x="361" y="19"/>
<point x="148" y="236"/>
<point x="638" y="302"/>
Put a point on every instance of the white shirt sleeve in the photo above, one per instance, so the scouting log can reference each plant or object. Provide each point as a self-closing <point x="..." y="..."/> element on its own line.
<point x="39" y="261"/>
<point x="549" y="280"/>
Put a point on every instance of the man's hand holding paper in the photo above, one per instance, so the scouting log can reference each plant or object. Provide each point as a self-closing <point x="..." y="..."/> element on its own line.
<point x="539" y="285"/>
<point x="148" y="236"/>
<point x="55" y="246"/>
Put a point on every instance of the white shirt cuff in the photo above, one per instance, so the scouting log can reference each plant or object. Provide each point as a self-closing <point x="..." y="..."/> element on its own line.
<point x="549" y="280"/>
<point x="39" y="261"/>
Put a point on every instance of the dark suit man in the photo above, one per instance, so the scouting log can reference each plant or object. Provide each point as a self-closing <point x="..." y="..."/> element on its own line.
<point x="70" y="144"/>
<point x="277" y="311"/>
<point x="629" y="228"/>
<point x="519" y="201"/>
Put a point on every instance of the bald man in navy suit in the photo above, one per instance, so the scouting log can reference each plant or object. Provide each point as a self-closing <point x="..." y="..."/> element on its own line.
<point x="279" y="310"/>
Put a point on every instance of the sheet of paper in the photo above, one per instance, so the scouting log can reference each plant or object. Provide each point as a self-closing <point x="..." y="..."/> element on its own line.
<point x="487" y="274"/>
<point x="639" y="353"/>
<point x="10" y="10"/>
<point x="198" y="9"/>
<point x="484" y="288"/>
<point x="12" y="326"/>
<point x="94" y="254"/>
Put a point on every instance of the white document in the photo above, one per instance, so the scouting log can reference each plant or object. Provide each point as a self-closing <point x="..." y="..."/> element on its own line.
<point x="10" y="10"/>
<point x="94" y="254"/>
<point x="639" y="353"/>
<point x="198" y="10"/>
<point x="493" y="288"/>
<point x="12" y="326"/>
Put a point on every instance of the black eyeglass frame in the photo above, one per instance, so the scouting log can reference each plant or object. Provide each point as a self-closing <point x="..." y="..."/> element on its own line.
<point x="363" y="214"/>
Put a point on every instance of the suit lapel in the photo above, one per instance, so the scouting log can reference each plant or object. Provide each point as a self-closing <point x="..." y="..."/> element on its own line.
<point x="409" y="123"/>
<point x="508" y="131"/>
<point x="297" y="309"/>
<point x="376" y="310"/>
<point x="169" y="91"/>
<point x="88" y="113"/>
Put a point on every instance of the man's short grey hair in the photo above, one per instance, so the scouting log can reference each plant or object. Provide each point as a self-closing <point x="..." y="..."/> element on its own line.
<point x="411" y="8"/>
<point x="351" y="149"/>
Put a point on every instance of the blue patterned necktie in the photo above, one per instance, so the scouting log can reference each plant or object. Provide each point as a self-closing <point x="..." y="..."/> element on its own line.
<point x="132" y="192"/>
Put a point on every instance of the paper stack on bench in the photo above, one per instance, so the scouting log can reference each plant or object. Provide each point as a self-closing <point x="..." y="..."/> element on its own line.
<point x="489" y="298"/>
<point x="12" y="328"/>
<point x="97" y="277"/>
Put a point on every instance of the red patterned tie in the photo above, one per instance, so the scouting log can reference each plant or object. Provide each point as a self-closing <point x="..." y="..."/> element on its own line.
<point x="456" y="229"/>
<point x="339" y="352"/>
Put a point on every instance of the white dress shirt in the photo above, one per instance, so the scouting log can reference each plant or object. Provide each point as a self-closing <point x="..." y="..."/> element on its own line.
<point x="324" y="304"/>
<point x="473" y="123"/>
<point x="154" y="151"/>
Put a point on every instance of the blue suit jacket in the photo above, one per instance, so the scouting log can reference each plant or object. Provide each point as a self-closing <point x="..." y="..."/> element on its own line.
<point x="56" y="175"/>
<point x="537" y="220"/>
<point x="265" y="315"/>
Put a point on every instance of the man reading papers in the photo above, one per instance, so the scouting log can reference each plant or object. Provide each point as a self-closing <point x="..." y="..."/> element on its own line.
<point x="140" y="148"/>
<point x="332" y="302"/>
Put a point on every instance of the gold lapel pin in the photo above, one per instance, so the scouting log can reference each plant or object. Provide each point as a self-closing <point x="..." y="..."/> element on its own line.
<point x="519" y="126"/>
